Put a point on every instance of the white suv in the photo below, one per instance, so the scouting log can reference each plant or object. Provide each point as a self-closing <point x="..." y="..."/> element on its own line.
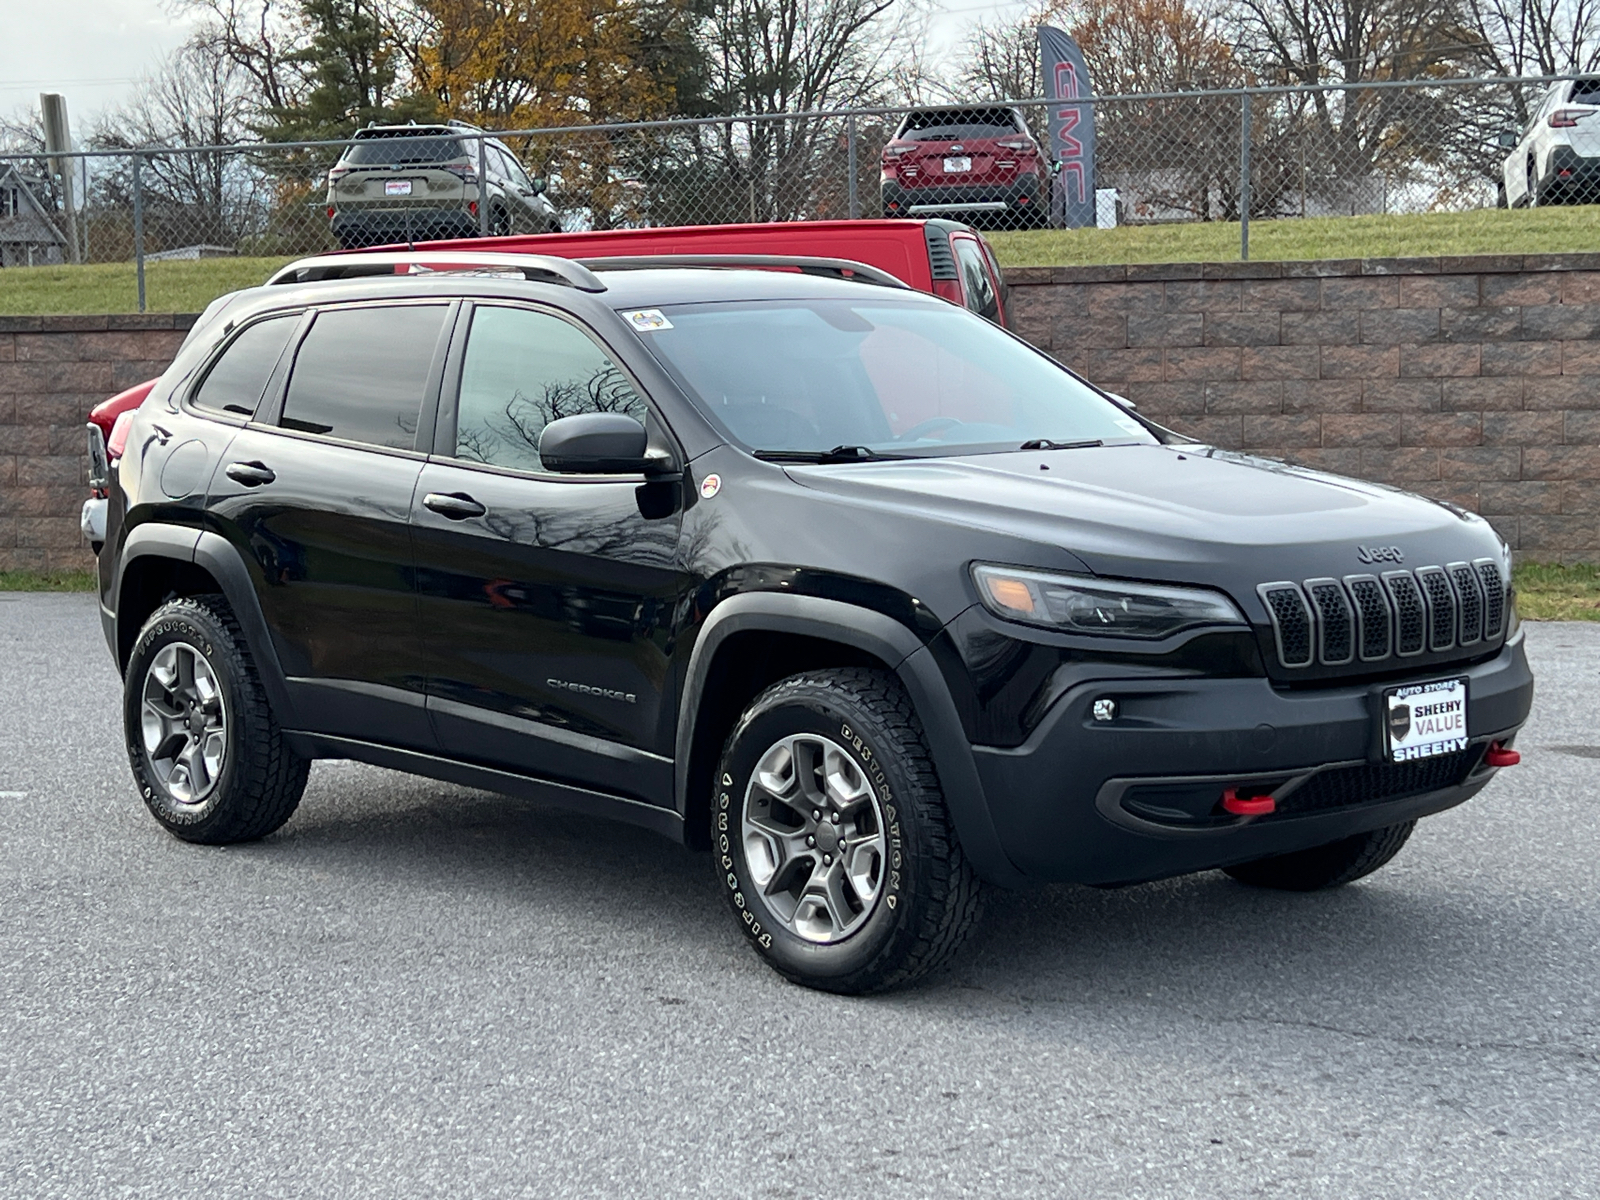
<point x="1556" y="160"/>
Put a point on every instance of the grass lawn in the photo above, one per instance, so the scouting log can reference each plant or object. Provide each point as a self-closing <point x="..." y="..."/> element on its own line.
<point x="1551" y="593"/>
<point x="47" y="581"/>
<point x="1490" y="231"/>
<point x="1544" y="592"/>
<point x="170" y="287"/>
<point x="190" y="286"/>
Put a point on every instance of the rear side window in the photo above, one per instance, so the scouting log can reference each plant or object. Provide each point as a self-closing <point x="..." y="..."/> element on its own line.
<point x="1586" y="91"/>
<point x="361" y="372"/>
<point x="959" y="124"/>
<point x="975" y="279"/>
<point x="524" y="369"/>
<point x="237" y="381"/>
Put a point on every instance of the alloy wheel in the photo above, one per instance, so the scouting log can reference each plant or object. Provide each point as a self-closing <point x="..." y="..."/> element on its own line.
<point x="184" y="722"/>
<point x="813" y="836"/>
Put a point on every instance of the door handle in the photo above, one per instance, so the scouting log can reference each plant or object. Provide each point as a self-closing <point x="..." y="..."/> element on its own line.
<point x="457" y="506"/>
<point x="251" y="474"/>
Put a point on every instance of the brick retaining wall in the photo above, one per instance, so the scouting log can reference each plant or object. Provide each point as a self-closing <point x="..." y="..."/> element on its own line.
<point x="53" y="370"/>
<point x="1474" y="379"/>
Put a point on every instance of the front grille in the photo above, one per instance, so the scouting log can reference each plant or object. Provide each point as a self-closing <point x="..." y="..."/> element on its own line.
<point x="1330" y="621"/>
<point x="1367" y="782"/>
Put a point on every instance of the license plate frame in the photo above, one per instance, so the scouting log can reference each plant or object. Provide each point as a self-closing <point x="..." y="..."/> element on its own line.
<point x="1424" y="720"/>
<point x="958" y="164"/>
<point x="397" y="187"/>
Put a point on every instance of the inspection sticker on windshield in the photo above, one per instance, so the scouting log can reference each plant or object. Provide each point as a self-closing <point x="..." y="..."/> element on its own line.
<point x="648" y="320"/>
<point x="1425" y="719"/>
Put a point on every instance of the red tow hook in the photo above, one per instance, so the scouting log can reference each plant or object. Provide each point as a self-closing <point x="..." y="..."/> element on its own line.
<point x="1500" y="756"/>
<point x="1247" y="806"/>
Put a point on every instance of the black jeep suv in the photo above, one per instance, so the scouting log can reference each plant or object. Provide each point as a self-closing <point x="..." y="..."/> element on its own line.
<point x="833" y="578"/>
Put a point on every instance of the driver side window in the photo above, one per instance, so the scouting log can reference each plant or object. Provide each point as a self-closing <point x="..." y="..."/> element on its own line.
<point x="524" y="369"/>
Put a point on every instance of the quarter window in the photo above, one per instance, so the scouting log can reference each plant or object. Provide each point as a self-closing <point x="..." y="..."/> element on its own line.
<point x="361" y="372"/>
<point x="236" y="382"/>
<point x="975" y="280"/>
<point x="524" y="369"/>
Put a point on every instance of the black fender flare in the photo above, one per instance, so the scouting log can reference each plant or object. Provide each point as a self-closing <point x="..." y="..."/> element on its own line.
<point x="886" y="639"/>
<point x="218" y="558"/>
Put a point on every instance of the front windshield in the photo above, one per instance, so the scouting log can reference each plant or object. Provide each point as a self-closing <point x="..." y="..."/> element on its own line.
<point x="884" y="375"/>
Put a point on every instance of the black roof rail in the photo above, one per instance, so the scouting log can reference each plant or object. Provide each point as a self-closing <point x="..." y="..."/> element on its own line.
<point x="835" y="268"/>
<point x="540" y="268"/>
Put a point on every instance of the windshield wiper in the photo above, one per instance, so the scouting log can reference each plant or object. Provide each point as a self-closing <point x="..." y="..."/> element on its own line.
<point x="839" y="454"/>
<point x="1047" y="444"/>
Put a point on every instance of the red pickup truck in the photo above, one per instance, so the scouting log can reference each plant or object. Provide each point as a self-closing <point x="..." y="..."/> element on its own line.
<point x="946" y="258"/>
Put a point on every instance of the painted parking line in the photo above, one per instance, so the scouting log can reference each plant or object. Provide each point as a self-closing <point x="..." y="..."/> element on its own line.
<point x="13" y="795"/>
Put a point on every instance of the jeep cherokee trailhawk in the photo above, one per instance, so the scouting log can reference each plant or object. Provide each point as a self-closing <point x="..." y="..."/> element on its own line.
<point x="833" y="578"/>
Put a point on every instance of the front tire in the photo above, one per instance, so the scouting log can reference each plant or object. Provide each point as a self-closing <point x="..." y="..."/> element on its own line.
<point x="830" y="832"/>
<point x="1330" y="866"/>
<point x="208" y="758"/>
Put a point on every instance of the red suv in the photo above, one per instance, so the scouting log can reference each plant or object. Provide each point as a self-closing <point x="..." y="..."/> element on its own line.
<point x="976" y="162"/>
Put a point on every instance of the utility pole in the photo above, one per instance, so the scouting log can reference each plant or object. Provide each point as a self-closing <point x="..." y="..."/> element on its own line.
<point x="58" y="144"/>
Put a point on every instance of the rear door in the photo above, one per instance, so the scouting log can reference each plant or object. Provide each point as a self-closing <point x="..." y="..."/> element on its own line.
<point x="546" y="599"/>
<point x="316" y="494"/>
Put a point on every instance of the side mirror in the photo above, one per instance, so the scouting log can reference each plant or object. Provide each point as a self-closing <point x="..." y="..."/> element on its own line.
<point x="539" y="185"/>
<point x="596" y="444"/>
<point x="1506" y="141"/>
<point x="1124" y="401"/>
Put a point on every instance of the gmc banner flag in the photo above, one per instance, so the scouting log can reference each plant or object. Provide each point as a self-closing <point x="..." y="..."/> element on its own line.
<point x="1066" y="78"/>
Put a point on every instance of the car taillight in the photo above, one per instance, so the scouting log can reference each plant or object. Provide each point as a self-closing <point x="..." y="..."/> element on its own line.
<point x="1016" y="143"/>
<point x="897" y="150"/>
<point x="337" y="173"/>
<point x="1566" y="118"/>
<point x="472" y="207"/>
<point x="467" y="174"/>
<point x="118" y="441"/>
<point x="330" y="210"/>
<point x="949" y="289"/>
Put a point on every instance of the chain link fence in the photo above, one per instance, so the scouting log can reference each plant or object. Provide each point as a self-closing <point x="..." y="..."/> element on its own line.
<point x="1221" y="156"/>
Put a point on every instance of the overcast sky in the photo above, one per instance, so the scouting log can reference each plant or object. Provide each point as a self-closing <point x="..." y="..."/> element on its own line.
<point x="94" y="51"/>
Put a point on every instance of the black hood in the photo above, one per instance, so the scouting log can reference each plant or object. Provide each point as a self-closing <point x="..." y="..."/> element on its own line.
<point x="1184" y="514"/>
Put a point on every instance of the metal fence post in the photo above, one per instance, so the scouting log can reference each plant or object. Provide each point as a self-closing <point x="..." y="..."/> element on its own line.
<point x="1244" y="176"/>
<point x="850" y="149"/>
<point x="483" y="185"/>
<point x="138" y="224"/>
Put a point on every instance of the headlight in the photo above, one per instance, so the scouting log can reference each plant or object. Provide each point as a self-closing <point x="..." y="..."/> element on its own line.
<point x="1105" y="607"/>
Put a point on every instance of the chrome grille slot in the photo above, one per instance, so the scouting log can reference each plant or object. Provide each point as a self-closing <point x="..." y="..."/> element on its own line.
<point x="1335" y="621"/>
<point x="1494" y="597"/>
<point x="1410" y="611"/>
<point x="1469" y="592"/>
<point x="1372" y="616"/>
<point x="1291" y="622"/>
<point x="1441" y="607"/>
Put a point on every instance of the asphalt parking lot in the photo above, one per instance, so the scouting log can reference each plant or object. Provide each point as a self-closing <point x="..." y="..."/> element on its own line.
<point x="420" y="990"/>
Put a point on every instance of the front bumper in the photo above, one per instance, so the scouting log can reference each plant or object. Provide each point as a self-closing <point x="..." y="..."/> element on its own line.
<point x="1138" y="797"/>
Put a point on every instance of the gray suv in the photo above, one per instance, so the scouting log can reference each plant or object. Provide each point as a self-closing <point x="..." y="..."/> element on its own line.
<point x="406" y="183"/>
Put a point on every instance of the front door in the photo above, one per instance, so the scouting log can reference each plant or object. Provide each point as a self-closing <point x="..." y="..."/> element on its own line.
<point x="318" y="495"/>
<point x="546" y="600"/>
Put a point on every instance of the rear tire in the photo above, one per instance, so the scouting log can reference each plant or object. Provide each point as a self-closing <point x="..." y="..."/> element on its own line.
<point x="210" y="761"/>
<point x="830" y="831"/>
<point x="1329" y="866"/>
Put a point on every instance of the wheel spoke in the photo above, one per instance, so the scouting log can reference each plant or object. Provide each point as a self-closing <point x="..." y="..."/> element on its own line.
<point x="846" y="785"/>
<point x="863" y="868"/>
